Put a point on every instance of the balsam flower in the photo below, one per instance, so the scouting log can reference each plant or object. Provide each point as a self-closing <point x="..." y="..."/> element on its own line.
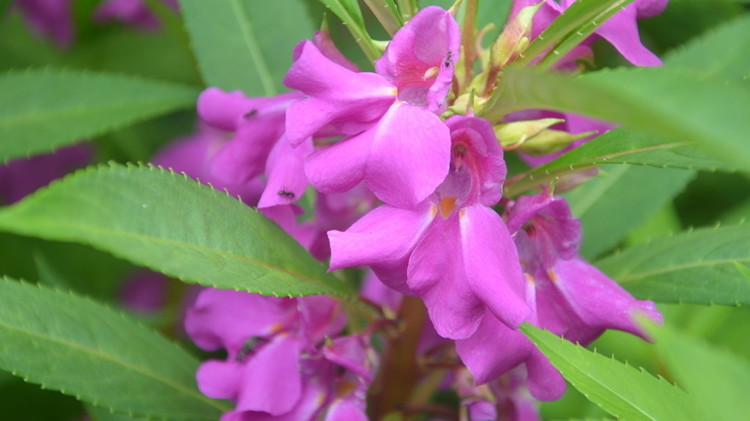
<point x="396" y="144"/>
<point x="131" y="12"/>
<point x="452" y="250"/>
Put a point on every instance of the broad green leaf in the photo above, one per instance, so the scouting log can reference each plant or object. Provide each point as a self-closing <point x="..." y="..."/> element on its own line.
<point x="84" y="349"/>
<point x="694" y="267"/>
<point x="41" y="110"/>
<point x="245" y="45"/>
<point x="349" y="13"/>
<point x="621" y="390"/>
<point x="723" y="52"/>
<point x="573" y="26"/>
<point x="718" y="382"/>
<point x="676" y="104"/>
<point x="101" y="414"/>
<point x="174" y="225"/>
<point x="619" y="146"/>
<point x="619" y="199"/>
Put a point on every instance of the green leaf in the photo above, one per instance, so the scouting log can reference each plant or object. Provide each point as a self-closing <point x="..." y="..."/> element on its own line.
<point x="618" y="146"/>
<point x="621" y="390"/>
<point x="245" y="45"/>
<point x="695" y="267"/>
<point x="174" y="225"/>
<point x="84" y="349"/>
<point x="349" y="13"/>
<point x="718" y="382"/>
<point x="101" y="414"/>
<point x="41" y="110"/>
<point x="619" y="199"/>
<point x="720" y="53"/>
<point x="677" y="104"/>
<point x="569" y="29"/>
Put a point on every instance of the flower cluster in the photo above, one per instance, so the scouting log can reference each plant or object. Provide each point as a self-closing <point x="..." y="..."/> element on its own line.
<point x="408" y="182"/>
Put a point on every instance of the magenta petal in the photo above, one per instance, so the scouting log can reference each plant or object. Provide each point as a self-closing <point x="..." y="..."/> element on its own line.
<point x="346" y="410"/>
<point x="244" y="157"/>
<point x="352" y="353"/>
<point x="409" y="157"/>
<point x="322" y="40"/>
<point x="226" y="319"/>
<point x="545" y="382"/>
<point x="621" y="30"/>
<point x="384" y="237"/>
<point x="271" y="380"/>
<point x="436" y="273"/>
<point x="493" y="349"/>
<point x="285" y="172"/>
<point x="599" y="301"/>
<point x="336" y="95"/>
<point x="341" y="166"/>
<point x="428" y="43"/>
<point x="649" y="8"/>
<point x="224" y="110"/>
<point x="219" y="379"/>
<point x="322" y="317"/>
<point x="491" y="264"/>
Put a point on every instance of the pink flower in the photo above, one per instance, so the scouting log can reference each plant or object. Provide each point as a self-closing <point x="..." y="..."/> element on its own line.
<point x="49" y="18"/>
<point x="452" y="249"/>
<point x="131" y="12"/>
<point x="396" y="144"/>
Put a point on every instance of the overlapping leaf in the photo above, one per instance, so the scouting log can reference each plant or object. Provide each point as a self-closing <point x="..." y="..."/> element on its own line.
<point x="245" y="45"/>
<point x="621" y="390"/>
<point x="82" y="348"/>
<point x="41" y="110"/>
<point x="697" y="267"/>
<point x="174" y="225"/>
<point x="619" y="199"/>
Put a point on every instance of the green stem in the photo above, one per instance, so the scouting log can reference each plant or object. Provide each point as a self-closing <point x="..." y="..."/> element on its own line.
<point x="387" y="14"/>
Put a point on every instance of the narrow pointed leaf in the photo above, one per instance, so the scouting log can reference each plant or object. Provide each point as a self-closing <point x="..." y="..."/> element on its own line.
<point x="245" y="45"/>
<point x="573" y="25"/>
<point x="619" y="146"/>
<point x="174" y="225"/>
<point x="621" y="390"/>
<point x="84" y="349"/>
<point x="41" y="110"/>
<point x="619" y="199"/>
<point x="677" y="104"/>
<point x="718" y="382"/>
<point x="695" y="267"/>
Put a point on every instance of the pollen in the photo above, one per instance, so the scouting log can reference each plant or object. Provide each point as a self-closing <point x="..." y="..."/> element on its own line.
<point x="552" y="275"/>
<point x="431" y="73"/>
<point x="530" y="279"/>
<point x="446" y="205"/>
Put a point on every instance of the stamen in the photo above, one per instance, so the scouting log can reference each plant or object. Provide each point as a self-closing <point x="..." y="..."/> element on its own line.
<point x="431" y="72"/>
<point x="446" y="206"/>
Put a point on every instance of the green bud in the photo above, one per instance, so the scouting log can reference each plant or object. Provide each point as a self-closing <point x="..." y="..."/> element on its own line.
<point x="514" y="38"/>
<point x="513" y="135"/>
<point x="551" y="141"/>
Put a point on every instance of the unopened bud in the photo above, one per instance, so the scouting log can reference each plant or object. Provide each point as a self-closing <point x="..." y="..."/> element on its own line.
<point x="551" y="141"/>
<point x="512" y="135"/>
<point x="514" y="38"/>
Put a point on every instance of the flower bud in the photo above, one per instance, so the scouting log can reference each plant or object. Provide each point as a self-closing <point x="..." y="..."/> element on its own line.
<point x="551" y="141"/>
<point x="514" y="38"/>
<point x="512" y="135"/>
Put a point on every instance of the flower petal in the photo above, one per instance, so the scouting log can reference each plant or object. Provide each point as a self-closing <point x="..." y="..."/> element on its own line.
<point x="410" y="156"/>
<point x="285" y="173"/>
<point x="341" y="166"/>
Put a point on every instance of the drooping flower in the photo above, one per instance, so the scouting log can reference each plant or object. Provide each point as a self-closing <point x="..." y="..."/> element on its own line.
<point x="621" y="30"/>
<point x="49" y="18"/>
<point x="452" y="250"/>
<point x="393" y="141"/>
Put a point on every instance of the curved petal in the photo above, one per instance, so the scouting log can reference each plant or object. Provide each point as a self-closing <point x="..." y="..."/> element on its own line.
<point x="436" y="273"/>
<point x="384" y="237"/>
<point x="621" y="30"/>
<point x="227" y="319"/>
<point x="545" y="382"/>
<point x="271" y="380"/>
<point x="491" y="264"/>
<point x="336" y="94"/>
<point x="410" y="156"/>
<point x="219" y="379"/>
<point x="285" y="173"/>
<point x="341" y="166"/>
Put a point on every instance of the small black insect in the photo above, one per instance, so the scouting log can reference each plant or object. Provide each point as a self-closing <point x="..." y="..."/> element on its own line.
<point x="248" y="348"/>
<point x="286" y="194"/>
<point x="448" y="59"/>
<point x="250" y="113"/>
